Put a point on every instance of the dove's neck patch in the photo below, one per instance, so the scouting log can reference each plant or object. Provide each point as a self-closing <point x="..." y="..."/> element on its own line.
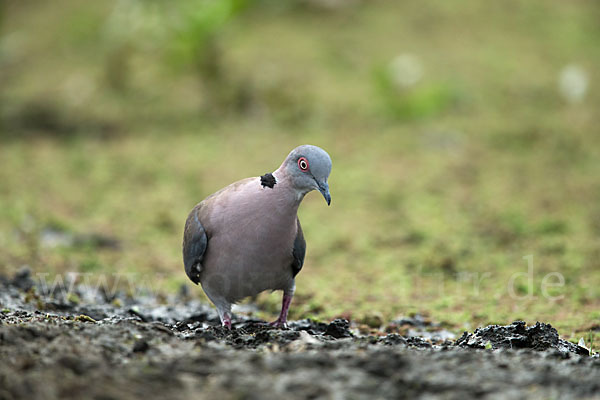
<point x="268" y="180"/>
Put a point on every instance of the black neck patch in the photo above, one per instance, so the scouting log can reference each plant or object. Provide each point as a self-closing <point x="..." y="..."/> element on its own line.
<point x="268" y="180"/>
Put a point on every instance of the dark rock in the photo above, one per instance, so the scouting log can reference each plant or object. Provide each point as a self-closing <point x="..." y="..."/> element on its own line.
<point x="137" y="313"/>
<point x="416" y="341"/>
<point x="338" y="328"/>
<point x="394" y="339"/>
<point x="309" y="326"/>
<point x="22" y="279"/>
<point x="140" y="346"/>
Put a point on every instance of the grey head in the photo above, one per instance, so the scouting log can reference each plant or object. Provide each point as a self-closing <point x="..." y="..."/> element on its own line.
<point x="308" y="168"/>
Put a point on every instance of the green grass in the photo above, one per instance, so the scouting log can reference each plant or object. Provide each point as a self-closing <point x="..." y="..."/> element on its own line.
<point x="439" y="190"/>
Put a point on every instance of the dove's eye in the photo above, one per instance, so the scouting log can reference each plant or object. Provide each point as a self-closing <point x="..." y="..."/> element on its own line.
<point x="303" y="164"/>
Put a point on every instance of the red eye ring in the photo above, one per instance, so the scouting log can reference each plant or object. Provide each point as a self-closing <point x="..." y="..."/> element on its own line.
<point x="303" y="164"/>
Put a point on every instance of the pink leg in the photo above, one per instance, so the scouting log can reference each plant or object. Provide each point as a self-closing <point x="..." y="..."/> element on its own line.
<point x="285" y="307"/>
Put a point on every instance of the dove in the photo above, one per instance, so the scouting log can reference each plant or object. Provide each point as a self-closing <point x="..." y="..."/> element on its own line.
<point x="247" y="238"/>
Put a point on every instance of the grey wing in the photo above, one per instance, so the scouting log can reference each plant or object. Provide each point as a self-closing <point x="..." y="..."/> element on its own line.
<point x="299" y="251"/>
<point x="195" y="242"/>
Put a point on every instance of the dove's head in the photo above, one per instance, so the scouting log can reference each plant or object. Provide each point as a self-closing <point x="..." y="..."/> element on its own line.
<point x="308" y="168"/>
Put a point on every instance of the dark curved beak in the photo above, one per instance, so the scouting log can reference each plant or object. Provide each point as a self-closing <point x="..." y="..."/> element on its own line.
<point x="324" y="189"/>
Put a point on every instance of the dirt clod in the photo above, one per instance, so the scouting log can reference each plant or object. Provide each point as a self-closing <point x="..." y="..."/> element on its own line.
<point x="338" y="328"/>
<point x="519" y="336"/>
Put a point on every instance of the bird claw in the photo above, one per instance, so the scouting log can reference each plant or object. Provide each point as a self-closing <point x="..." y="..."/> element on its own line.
<point x="278" y="324"/>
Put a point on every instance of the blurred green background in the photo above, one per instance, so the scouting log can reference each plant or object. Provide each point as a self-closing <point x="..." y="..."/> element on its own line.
<point x="464" y="137"/>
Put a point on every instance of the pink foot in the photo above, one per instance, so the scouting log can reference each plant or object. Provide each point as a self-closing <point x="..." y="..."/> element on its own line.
<point x="226" y="322"/>
<point x="278" y="323"/>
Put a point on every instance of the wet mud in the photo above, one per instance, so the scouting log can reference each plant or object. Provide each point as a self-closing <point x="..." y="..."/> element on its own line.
<point x="86" y="344"/>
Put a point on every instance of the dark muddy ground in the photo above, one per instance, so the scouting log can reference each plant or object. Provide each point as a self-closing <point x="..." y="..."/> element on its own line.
<point x="90" y="345"/>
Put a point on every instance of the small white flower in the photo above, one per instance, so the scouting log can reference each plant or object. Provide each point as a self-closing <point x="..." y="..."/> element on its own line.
<point x="405" y="70"/>
<point x="573" y="83"/>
